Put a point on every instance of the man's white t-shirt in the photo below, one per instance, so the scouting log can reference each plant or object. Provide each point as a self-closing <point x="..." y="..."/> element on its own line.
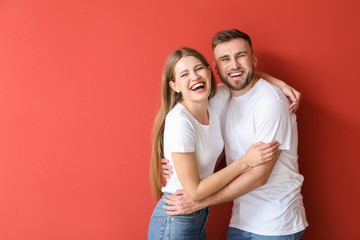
<point x="183" y="133"/>
<point x="262" y="114"/>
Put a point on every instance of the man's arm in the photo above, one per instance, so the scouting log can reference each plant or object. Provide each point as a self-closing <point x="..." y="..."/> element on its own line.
<point x="246" y="182"/>
<point x="179" y="203"/>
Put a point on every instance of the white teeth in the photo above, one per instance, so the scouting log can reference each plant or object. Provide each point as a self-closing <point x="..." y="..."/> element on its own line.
<point x="235" y="74"/>
<point x="197" y="85"/>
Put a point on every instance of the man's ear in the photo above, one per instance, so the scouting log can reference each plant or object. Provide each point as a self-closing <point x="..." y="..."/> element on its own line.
<point x="216" y="68"/>
<point x="173" y="85"/>
<point x="255" y="61"/>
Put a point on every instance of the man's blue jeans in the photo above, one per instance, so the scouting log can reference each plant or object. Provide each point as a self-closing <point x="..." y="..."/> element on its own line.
<point x="237" y="234"/>
<point x="189" y="226"/>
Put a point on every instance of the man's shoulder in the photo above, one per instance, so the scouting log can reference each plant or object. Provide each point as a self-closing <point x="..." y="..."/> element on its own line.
<point x="269" y="93"/>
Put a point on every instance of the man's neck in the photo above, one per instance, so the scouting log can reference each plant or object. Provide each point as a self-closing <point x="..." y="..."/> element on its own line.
<point x="238" y="93"/>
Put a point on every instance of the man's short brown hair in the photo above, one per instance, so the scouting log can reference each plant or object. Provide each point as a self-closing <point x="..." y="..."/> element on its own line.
<point x="227" y="35"/>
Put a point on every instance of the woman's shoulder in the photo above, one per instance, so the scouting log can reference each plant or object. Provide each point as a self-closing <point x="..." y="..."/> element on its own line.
<point x="221" y="97"/>
<point x="179" y="116"/>
<point x="179" y="123"/>
<point x="178" y="111"/>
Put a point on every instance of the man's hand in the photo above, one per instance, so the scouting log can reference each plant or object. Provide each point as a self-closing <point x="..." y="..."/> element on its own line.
<point x="179" y="204"/>
<point x="166" y="168"/>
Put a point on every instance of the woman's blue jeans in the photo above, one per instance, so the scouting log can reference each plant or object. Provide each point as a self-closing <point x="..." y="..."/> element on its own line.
<point x="189" y="226"/>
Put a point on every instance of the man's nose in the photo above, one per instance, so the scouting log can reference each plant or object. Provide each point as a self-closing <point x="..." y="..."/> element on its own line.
<point x="234" y="64"/>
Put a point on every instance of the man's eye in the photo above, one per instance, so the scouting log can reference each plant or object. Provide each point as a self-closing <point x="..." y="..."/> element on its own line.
<point x="224" y="59"/>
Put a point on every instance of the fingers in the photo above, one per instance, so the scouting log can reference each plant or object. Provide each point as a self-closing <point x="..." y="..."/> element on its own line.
<point x="269" y="156"/>
<point x="169" y="207"/>
<point x="167" y="174"/>
<point x="298" y="95"/>
<point x="164" y="161"/>
<point x="271" y="149"/>
<point x="292" y="95"/>
<point x="179" y="192"/>
<point x="294" y="106"/>
<point x="272" y="155"/>
<point x="166" y="168"/>
<point x="169" y="201"/>
<point x="257" y="144"/>
<point x="174" y="197"/>
<point x="165" y="171"/>
<point x="165" y="165"/>
<point x="295" y="103"/>
<point x="172" y="208"/>
<point x="273" y="144"/>
<point x="173" y="213"/>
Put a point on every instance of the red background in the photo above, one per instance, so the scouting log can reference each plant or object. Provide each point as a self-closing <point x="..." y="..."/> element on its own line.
<point x="80" y="87"/>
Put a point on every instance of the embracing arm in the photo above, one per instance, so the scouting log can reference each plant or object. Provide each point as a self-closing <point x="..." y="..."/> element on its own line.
<point x="179" y="203"/>
<point x="246" y="182"/>
<point x="197" y="189"/>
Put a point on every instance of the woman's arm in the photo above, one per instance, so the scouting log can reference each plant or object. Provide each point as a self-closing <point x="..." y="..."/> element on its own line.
<point x="293" y="95"/>
<point x="197" y="189"/>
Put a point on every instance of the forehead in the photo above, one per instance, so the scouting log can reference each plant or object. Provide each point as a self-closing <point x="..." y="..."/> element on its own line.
<point x="231" y="47"/>
<point x="186" y="63"/>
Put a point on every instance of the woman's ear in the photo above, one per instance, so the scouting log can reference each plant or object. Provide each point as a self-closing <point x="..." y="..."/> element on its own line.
<point x="173" y="85"/>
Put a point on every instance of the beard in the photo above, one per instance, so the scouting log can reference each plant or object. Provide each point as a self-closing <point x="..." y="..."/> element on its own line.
<point x="248" y="79"/>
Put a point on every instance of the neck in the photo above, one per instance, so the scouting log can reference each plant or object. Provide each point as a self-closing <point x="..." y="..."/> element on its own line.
<point x="198" y="110"/>
<point x="237" y="93"/>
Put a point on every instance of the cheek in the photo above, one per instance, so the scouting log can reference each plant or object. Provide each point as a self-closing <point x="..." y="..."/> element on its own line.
<point x="222" y="71"/>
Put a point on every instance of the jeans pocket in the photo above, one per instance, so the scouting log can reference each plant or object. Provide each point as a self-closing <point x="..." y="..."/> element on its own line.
<point x="188" y="226"/>
<point x="157" y="228"/>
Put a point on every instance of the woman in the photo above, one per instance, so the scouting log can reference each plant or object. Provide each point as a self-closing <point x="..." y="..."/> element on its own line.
<point x="187" y="132"/>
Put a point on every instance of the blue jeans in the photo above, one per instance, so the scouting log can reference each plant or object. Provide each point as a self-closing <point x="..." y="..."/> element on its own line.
<point x="189" y="226"/>
<point x="237" y="234"/>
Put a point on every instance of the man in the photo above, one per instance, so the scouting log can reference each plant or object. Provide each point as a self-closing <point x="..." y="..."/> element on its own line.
<point x="267" y="199"/>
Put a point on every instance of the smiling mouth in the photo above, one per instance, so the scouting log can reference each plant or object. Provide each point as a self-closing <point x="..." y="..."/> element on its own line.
<point x="197" y="86"/>
<point x="236" y="74"/>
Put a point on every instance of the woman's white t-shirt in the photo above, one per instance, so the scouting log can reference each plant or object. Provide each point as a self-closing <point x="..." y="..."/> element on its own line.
<point x="183" y="133"/>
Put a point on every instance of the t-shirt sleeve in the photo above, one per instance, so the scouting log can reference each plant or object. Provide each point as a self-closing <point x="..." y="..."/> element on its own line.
<point x="273" y="123"/>
<point x="180" y="134"/>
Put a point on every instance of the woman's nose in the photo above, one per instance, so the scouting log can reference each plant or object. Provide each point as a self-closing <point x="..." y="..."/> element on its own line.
<point x="194" y="75"/>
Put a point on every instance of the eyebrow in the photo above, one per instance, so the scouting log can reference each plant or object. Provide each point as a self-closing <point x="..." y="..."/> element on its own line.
<point x="227" y="55"/>
<point x="183" y="71"/>
<point x="186" y="70"/>
<point x="238" y="53"/>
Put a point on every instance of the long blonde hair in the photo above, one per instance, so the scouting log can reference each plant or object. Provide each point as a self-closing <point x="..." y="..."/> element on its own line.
<point x="169" y="100"/>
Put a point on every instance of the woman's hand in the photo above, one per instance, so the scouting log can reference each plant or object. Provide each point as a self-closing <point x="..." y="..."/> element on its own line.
<point x="293" y="95"/>
<point x="261" y="152"/>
